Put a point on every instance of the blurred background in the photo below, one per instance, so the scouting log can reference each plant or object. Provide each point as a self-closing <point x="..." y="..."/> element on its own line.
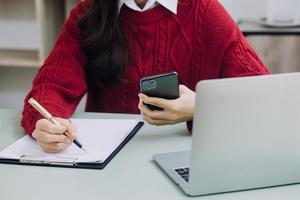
<point x="28" y="29"/>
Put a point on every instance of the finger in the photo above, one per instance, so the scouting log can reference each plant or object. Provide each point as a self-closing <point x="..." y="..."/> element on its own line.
<point x="153" y="114"/>
<point x="152" y="121"/>
<point x="45" y="137"/>
<point x="163" y="103"/>
<point x="35" y="134"/>
<point x="142" y="95"/>
<point x="142" y="107"/>
<point x="159" y="118"/>
<point x="53" y="147"/>
<point x="71" y="129"/>
<point x="47" y="126"/>
<point x="182" y="89"/>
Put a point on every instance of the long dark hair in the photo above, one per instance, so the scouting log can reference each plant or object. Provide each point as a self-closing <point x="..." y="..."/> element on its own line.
<point x="104" y="43"/>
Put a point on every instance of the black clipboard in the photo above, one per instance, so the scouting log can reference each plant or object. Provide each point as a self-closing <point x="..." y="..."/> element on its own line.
<point x="81" y="165"/>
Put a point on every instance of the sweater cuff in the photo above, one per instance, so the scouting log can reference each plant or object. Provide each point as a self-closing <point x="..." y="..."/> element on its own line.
<point x="29" y="119"/>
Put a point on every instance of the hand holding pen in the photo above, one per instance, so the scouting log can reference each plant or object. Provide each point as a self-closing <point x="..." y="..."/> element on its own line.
<point x="51" y="133"/>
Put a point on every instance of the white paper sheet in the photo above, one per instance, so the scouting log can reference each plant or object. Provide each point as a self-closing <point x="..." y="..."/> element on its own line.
<point x="100" y="137"/>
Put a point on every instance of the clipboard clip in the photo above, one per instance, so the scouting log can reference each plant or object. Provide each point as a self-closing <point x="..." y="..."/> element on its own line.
<point x="41" y="160"/>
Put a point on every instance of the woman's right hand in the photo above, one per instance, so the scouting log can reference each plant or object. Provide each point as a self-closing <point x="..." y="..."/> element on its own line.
<point x="50" y="136"/>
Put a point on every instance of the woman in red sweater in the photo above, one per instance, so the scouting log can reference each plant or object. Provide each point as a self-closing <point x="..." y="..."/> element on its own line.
<point x="107" y="46"/>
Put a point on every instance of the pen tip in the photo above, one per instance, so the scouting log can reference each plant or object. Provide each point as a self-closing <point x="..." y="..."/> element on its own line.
<point x="84" y="150"/>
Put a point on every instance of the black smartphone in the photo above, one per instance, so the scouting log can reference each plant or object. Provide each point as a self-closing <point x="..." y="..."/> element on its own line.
<point x="164" y="86"/>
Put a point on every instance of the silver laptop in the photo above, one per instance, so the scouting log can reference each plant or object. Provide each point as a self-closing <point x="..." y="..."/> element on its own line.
<point x="246" y="135"/>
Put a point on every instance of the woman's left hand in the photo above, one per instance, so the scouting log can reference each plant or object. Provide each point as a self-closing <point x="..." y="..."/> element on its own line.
<point x="174" y="111"/>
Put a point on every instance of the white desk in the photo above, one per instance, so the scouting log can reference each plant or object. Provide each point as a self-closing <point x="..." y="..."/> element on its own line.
<point x="130" y="175"/>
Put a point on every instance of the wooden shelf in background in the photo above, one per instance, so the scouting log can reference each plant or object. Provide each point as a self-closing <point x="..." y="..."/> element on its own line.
<point x="19" y="58"/>
<point x="30" y="29"/>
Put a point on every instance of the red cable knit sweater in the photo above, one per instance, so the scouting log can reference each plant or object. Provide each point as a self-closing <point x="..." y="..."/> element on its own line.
<point x="200" y="42"/>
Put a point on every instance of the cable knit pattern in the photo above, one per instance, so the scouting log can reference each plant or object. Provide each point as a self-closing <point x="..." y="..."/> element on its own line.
<point x="200" y="42"/>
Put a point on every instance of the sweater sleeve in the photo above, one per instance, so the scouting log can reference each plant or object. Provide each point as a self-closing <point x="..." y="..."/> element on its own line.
<point x="228" y="46"/>
<point x="226" y="51"/>
<point x="60" y="83"/>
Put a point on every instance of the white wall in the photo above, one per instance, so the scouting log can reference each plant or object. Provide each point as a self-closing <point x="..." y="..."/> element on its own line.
<point x="14" y="85"/>
<point x="246" y="9"/>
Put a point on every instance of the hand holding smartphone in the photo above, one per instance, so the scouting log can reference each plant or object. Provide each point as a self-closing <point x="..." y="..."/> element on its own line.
<point x="164" y="86"/>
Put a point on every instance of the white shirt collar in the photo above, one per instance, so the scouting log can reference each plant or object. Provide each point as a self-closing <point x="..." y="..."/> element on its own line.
<point x="171" y="5"/>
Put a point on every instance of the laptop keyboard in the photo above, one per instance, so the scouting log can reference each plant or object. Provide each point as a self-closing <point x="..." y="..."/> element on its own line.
<point x="184" y="173"/>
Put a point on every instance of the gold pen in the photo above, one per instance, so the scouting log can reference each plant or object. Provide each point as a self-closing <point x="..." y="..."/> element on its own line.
<point x="52" y="119"/>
